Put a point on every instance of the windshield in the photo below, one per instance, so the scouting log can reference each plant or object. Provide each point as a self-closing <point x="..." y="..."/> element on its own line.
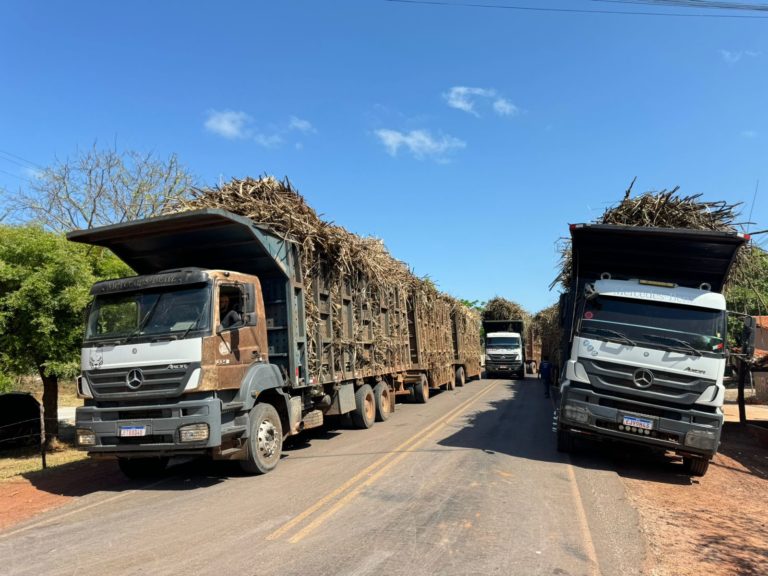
<point x="147" y="315"/>
<point x="503" y="342"/>
<point x="655" y="324"/>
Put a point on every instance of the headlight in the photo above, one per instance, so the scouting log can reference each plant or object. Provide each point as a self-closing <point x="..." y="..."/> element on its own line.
<point x="193" y="433"/>
<point x="701" y="439"/>
<point x="576" y="413"/>
<point x="85" y="437"/>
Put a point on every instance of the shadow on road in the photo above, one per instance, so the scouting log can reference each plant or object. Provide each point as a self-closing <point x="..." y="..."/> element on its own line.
<point x="521" y="426"/>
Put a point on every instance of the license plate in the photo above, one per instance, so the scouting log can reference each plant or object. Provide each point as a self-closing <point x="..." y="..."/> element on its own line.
<point x="132" y="431"/>
<point x="635" y="422"/>
<point x="503" y="367"/>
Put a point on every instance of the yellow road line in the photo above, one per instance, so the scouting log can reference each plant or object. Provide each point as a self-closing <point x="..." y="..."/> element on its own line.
<point x="418" y="441"/>
<point x="581" y="516"/>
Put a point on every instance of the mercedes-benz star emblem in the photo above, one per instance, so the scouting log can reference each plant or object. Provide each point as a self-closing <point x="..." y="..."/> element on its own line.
<point x="134" y="379"/>
<point x="643" y="378"/>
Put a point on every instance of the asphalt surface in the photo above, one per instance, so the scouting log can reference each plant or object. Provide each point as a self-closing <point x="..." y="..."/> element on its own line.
<point x="469" y="483"/>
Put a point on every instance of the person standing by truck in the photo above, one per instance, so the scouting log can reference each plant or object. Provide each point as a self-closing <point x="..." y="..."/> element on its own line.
<point x="545" y="375"/>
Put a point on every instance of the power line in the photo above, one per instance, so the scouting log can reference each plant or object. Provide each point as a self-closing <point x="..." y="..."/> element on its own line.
<point x="17" y="157"/>
<point x="16" y="176"/>
<point x="574" y="10"/>
<point x="705" y="4"/>
<point x="754" y="197"/>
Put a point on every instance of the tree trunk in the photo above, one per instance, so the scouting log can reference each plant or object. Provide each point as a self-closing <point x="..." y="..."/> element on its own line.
<point x="50" y="405"/>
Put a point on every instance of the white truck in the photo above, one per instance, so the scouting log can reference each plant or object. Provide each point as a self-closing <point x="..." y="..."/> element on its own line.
<point x="644" y="339"/>
<point x="504" y="348"/>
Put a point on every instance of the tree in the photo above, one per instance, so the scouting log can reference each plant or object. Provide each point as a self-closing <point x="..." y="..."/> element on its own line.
<point x="44" y="287"/>
<point x="99" y="187"/>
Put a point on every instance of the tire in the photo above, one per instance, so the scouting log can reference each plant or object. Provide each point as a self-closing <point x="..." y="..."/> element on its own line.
<point x="364" y="414"/>
<point x="382" y="396"/>
<point x="142" y="468"/>
<point x="421" y="390"/>
<point x="461" y="379"/>
<point x="265" y="442"/>
<point x="565" y="442"/>
<point x="695" y="466"/>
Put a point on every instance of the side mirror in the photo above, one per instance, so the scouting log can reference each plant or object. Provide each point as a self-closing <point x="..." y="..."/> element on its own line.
<point x="589" y="291"/>
<point x="250" y="319"/>
<point x="249" y="297"/>
<point x="748" y="336"/>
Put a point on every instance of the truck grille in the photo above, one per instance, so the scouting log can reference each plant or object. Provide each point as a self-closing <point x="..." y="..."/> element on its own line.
<point x="670" y="387"/>
<point x="502" y="357"/>
<point x="151" y="381"/>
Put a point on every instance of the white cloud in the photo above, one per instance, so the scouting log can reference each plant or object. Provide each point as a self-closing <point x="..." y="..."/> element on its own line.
<point x="734" y="56"/>
<point x="504" y="107"/>
<point x="268" y="140"/>
<point x="463" y="97"/>
<point x="749" y="134"/>
<point x="33" y="173"/>
<point x="468" y="98"/>
<point x="301" y="125"/>
<point x="228" y="124"/>
<point x="420" y="143"/>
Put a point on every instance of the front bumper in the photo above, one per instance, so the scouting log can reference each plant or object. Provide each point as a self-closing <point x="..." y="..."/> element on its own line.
<point x="508" y="367"/>
<point x="161" y="422"/>
<point x="683" y="431"/>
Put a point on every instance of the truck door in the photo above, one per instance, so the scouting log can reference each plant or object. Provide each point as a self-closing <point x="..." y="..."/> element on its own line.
<point x="237" y="342"/>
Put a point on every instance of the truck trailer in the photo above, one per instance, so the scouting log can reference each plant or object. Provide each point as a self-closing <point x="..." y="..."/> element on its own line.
<point x="644" y="339"/>
<point x="209" y="349"/>
<point x="504" y="348"/>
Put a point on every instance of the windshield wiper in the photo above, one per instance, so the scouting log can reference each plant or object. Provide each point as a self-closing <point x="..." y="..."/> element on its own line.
<point x="196" y="322"/>
<point x="685" y="345"/>
<point x="618" y="336"/>
<point x="144" y="322"/>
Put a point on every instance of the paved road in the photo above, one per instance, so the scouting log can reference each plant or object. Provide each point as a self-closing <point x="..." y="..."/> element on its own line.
<point x="469" y="483"/>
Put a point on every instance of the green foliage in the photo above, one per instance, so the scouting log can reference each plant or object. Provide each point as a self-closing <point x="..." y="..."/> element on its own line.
<point x="473" y="304"/>
<point x="748" y="294"/>
<point x="7" y="383"/>
<point x="44" y="289"/>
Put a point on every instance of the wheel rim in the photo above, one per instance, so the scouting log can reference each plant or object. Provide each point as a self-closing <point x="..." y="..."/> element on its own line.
<point x="369" y="406"/>
<point x="267" y="439"/>
<point x="385" y="401"/>
<point x="425" y="388"/>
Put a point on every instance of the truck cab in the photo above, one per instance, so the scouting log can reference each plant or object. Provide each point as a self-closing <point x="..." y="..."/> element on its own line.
<point x="645" y="339"/>
<point x="504" y="355"/>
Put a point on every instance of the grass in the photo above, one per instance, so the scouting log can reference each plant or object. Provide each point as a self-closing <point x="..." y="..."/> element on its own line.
<point x="23" y="460"/>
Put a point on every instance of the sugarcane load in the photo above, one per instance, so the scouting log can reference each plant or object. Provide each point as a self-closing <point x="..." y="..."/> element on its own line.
<point x="252" y="319"/>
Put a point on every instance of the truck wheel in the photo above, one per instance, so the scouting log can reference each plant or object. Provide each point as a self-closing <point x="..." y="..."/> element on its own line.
<point x="696" y="466"/>
<point x="364" y="414"/>
<point x="142" y="468"/>
<point x="265" y="443"/>
<point x="565" y="442"/>
<point x="421" y="390"/>
<point x="383" y="397"/>
<point x="460" y="378"/>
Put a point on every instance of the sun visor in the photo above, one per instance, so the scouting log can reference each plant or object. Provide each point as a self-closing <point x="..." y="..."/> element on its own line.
<point x="209" y="238"/>
<point x="684" y="257"/>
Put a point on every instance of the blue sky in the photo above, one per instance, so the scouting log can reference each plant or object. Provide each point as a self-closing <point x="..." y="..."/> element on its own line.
<point x="466" y="138"/>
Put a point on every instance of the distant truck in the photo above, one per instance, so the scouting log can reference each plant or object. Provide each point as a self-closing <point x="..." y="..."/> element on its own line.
<point x="207" y="351"/>
<point x="644" y="339"/>
<point x="504" y="348"/>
